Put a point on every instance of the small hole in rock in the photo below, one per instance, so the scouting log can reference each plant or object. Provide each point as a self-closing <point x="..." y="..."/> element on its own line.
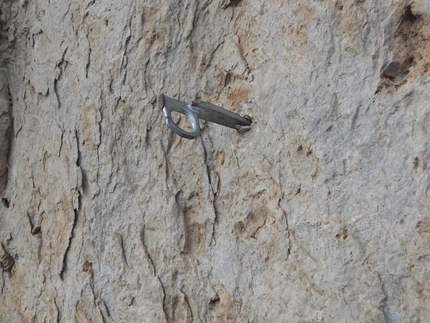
<point x="416" y="163"/>
<point x="214" y="300"/>
<point x="395" y="71"/>
<point x="5" y="202"/>
<point x="88" y="265"/>
<point x="36" y="230"/>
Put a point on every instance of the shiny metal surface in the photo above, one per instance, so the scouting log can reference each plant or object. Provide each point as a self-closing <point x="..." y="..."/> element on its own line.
<point x="200" y="110"/>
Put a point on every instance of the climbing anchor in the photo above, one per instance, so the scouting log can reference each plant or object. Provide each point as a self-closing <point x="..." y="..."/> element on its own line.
<point x="200" y="110"/>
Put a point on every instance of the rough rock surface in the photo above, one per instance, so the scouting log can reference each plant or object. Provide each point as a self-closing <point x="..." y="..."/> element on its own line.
<point x="319" y="214"/>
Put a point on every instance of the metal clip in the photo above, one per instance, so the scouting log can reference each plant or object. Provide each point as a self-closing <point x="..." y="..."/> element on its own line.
<point x="200" y="110"/>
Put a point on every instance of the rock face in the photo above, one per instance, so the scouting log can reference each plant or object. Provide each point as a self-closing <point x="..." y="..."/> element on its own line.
<point x="5" y="113"/>
<point x="320" y="213"/>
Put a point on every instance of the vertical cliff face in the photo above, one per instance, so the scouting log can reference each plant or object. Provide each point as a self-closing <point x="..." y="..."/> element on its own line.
<point x="320" y="213"/>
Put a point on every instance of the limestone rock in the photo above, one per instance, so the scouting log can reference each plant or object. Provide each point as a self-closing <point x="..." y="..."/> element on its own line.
<point x="5" y="130"/>
<point x="5" y="113"/>
<point x="320" y="213"/>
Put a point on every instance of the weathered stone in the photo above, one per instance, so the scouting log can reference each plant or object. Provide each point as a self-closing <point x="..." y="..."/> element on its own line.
<point x="6" y="260"/>
<point x="5" y="111"/>
<point x="5" y="129"/>
<point x="320" y="213"/>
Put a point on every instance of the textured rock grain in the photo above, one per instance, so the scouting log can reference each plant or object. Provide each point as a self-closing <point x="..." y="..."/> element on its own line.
<point x="5" y="107"/>
<point x="319" y="214"/>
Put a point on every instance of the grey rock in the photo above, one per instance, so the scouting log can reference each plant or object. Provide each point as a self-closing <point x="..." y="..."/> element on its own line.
<point x="319" y="213"/>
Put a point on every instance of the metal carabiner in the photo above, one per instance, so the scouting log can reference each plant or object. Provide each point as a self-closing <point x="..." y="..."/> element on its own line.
<point x="200" y="110"/>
